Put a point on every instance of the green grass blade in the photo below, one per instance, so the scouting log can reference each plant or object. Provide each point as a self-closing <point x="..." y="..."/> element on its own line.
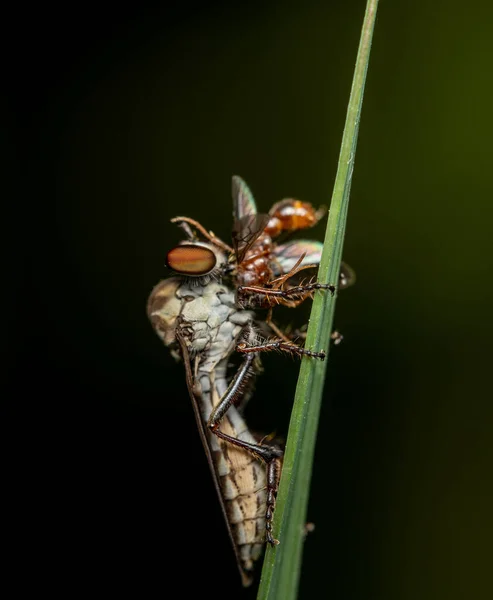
<point x="282" y="564"/>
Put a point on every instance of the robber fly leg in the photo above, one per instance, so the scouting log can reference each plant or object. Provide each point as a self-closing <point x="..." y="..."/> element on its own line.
<point x="308" y="289"/>
<point x="273" y="477"/>
<point x="291" y="296"/>
<point x="289" y="347"/>
<point x="272" y="457"/>
<point x="269" y="454"/>
<point x="252" y="344"/>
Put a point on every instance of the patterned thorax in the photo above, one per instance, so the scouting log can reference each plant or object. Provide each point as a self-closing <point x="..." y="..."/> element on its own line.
<point x="206" y="314"/>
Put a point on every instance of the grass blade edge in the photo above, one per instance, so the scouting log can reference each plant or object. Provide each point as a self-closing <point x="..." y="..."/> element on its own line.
<point x="282" y="565"/>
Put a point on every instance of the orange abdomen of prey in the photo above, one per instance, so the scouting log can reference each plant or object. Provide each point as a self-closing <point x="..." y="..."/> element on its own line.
<point x="289" y="215"/>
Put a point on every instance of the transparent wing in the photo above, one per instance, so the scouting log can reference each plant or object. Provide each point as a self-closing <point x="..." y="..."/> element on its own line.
<point x="287" y="255"/>
<point x="243" y="202"/>
<point x="245" y="231"/>
<point x="246" y="577"/>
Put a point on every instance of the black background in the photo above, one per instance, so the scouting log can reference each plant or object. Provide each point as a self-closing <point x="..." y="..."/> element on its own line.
<point x="123" y="118"/>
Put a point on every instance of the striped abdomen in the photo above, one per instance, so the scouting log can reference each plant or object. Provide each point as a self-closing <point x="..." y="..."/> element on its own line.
<point x="241" y="478"/>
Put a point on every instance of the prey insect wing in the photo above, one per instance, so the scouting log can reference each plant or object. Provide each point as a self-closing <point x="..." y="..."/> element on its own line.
<point x="248" y="225"/>
<point x="246" y="231"/>
<point x="243" y="202"/>
<point x="288" y="254"/>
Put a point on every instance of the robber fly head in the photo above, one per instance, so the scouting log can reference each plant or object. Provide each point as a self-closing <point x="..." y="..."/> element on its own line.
<point x="196" y="259"/>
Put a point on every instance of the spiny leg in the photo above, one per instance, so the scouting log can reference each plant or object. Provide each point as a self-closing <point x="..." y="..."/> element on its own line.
<point x="294" y="295"/>
<point x="280" y="281"/>
<point x="270" y="455"/>
<point x="252" y="343"/>
<point x="289" y="347"/>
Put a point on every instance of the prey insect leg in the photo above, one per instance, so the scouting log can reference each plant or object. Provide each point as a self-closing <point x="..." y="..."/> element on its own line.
<point x="209" y="235"/>
<point x="269" y="454"/>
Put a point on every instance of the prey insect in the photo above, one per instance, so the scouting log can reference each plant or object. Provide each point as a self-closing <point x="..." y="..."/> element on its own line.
<point x="206" y="313"/>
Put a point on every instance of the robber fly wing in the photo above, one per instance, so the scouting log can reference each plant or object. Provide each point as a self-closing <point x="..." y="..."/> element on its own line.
<point x="203" y="436"/>
<point x="245" y="231"/>
<point x="288" y="254"/>
<point x="243" y="202"/>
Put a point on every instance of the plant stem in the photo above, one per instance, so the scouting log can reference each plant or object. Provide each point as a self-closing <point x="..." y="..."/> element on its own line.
<point x="282" y="565"/>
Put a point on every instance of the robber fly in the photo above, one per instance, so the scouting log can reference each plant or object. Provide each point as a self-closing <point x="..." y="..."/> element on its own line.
<point x="204" y="314"/>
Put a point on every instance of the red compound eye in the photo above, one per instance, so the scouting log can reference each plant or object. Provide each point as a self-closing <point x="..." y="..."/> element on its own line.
<point x="191" y="260"/>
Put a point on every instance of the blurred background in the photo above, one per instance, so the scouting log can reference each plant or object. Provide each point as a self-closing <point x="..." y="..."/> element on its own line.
<point x="128" y="117"/>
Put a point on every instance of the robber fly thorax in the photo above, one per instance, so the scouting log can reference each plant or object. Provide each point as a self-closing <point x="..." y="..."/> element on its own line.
<point x="204" y="314"/>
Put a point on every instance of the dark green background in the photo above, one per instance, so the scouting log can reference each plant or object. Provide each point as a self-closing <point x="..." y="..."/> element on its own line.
<point x="128" y="118"/>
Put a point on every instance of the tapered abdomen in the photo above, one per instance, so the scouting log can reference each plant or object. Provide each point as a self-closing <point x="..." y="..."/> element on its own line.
<point x="241" y="478"/>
